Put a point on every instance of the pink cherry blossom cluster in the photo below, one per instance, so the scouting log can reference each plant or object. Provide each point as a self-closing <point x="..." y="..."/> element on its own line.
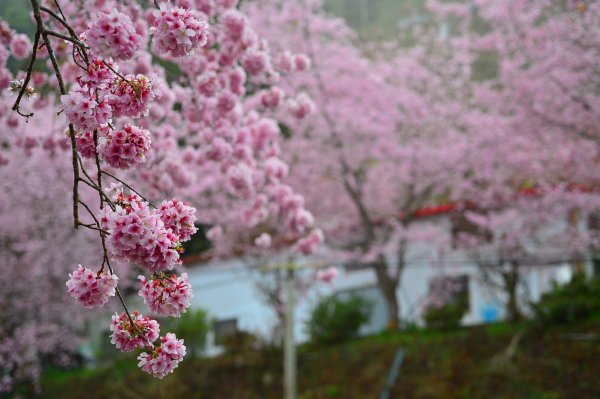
<point x="138" y="234"/>
<point x="308" y="245"/>
<point x="20" y="46"/>
<point x="92" y="289"/>
<point x="177" y="32"/>
<point x="287" y="62"/>
<point x="242" y="145"/>
<point x="179" y="217"/>
<point x="127" y="336"/>
<point x="86" y="106"/>
<point x="85" y="144"/>
<point x="125" y="147"/>
<point x="97" y="75"/>
<point x="275" y="169"/>
<point x="166" y="295"/>
<point x="272" y="98"/>
<point x="263" y="241"/>
<point x="301" y="106"/>
<point x="328" y="274"/>
<point x="84" y="111"/>
<point x="234" y="24"/>
<point x="131" y="97"/>
<point x="112" y="35"/>
<point x="299" y="221"/>
<point x="256" y="61"/>
<point x="163" y="359"/>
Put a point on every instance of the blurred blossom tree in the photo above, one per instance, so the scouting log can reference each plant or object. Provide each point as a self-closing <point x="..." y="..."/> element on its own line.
<point x="378" y="149"/>
<point x="399" y="129"/>
<point x="535" y="230"/>
<point x="548" y="79"/>
<point x="532" y="127"/>
<point x="157" y="93"/>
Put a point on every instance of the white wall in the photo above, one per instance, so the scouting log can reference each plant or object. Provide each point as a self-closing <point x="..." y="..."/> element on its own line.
<point x="226" y="289"/>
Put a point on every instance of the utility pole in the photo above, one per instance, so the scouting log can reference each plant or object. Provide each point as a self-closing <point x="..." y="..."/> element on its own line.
<point x="290" y="386"/>
<point x="289" y="346"/>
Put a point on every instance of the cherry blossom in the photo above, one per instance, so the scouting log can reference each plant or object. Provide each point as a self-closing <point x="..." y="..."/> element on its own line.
<point x="327" y="275"/>
<point x="166" y="295"/>
<point x="127" y="337"/>
<point x="132" y="96"/>
<point x="20" y="46"/>
<point x="112" y="35"/>
<point x="138" y="234"/>
<point x="309" y="244"/>
<point x="126" y="147"/>
<point x="301" y="106"/>
<point x="178" y="217"/>
<point x="213" y="145"/>
<point x="163" y="359"/>
<point x="177" y="32"/>
<point x="263" y="241"/>
<point x="92" y="289"/>
<point x="84" y="111"/>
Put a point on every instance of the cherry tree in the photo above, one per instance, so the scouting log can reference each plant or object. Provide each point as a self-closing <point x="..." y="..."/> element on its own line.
<point x="153" y="93"/>
<point x="533" y="151"/>
<point x="378" y="149"/>
<point x="544" y="72"/>
<point x="404" y="128"/>
<point x="535" y="230"/>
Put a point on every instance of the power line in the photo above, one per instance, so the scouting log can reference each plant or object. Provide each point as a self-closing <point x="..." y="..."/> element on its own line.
<point x="409" y="265"/>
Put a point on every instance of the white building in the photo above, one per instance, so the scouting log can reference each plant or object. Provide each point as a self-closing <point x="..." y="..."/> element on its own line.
<point x="228" y="291"/>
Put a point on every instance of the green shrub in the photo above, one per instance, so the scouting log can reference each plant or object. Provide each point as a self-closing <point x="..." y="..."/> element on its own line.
<point x="577" y="300"/>
<point x="337" y="320"/>
<point x="446" y="316"/>
<point x="193" y="327"/>
<point x="240" y="341"/>
<point x="447" y="301"/>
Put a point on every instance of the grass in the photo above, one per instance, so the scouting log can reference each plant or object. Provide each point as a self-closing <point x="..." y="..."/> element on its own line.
<point x="438" y="364"/>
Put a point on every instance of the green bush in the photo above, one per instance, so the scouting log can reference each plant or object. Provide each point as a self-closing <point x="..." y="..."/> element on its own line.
<point x="193" y="327"/>
<point x="577" y="300"/>
<point x="446" y="316"/>
<point x="240" y="341"/>
<point x="447" y="301"/>
<point x="337" y="320"/>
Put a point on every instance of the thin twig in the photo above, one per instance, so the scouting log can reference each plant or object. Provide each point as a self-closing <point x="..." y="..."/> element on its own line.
<point x="62" y="21"/>
<point x="67" y="38"/>
<point x="98" y="169"/>
<point x="36" y="41"/>
<point x="60" y="9"/>
<point x="40" y="27"/>
<point x="130" y="188"/>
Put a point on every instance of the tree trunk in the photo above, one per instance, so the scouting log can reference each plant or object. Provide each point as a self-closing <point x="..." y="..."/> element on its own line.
<point x="388" y="286"/>
<point x="511" y="283"/>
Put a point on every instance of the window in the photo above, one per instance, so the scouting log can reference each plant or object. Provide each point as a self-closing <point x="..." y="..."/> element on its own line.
<point x="594" y="226"/>
<point x="223" y="329"/>
<point x="449" y="290"/>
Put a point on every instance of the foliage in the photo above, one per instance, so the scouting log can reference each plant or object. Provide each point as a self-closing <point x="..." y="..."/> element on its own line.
<point x="240" y="341"/>
<point x="438" y="365"/>
<point x="447" y="302"/>
<point x="336" y="320"/>
<point x="446" y="316"/>
<point x="577" y="300"/>
<point x="193" y="327"/>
